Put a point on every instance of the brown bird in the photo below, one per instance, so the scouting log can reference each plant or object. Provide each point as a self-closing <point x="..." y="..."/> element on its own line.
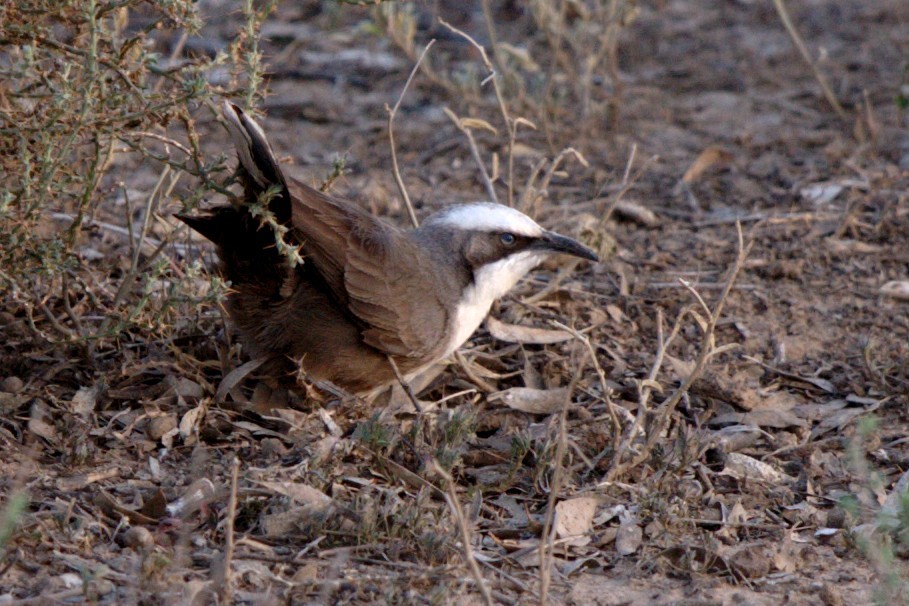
<point x="366" y="290"/>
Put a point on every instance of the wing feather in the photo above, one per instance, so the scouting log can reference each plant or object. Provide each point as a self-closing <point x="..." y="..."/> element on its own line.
<point x="379" y="272"/>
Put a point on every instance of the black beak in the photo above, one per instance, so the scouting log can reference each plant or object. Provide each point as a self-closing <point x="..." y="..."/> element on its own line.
<point x="551" y="241"/>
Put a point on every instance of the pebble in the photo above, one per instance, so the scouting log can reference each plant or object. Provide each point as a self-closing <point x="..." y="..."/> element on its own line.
<point x="138" y="537"/>
<point x="12" y="385"/>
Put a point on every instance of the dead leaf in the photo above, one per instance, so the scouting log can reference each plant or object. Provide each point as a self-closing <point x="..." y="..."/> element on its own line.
<point x="787" y="557"/>
<point x="187" y="388"/>
<point x="80" y="481"/>
<point x="159" y="426"/>
<point x="778" y="419"/>
<point x="634" y="211"/>
<point x="111" y="507"/>
<point x="534" y="401"/>
<point x="732" y="520"/>
<point x="841" y="418"/>
<point x="514" y="333"/>
<point x="190" y="421"/>
<point x="821" y="193"/>
<point x="473" y="123"/>
<point x="39" y="426"/>
<point x="195" y="496"/>
<point x="233" y="378"/>
<point x="896" y="289"/>
<point x="155" y="506"/>
<point x="752" y="561"/>
<point x="574" y="518"/>
<point x="301" y="493"/>
<point x="845" y="246"/>
<point x="10" y="402"/>
<point x="713" y="156"/>
<point x="824" y="192"/>
<point x="744" y="467"/>
<point x="630" y="535"/>
<point x="736" y="437"/>
<point x="617" y="315"/>
<point x="283" y="523"/>
<point x="84" y="401"/>
<point x="521" y="150"/>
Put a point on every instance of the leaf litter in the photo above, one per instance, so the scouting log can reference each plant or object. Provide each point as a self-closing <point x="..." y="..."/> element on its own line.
<point x="126" y="462"/>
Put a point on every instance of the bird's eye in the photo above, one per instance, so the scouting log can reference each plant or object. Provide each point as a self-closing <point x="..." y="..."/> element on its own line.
<point x="507" y="239"/>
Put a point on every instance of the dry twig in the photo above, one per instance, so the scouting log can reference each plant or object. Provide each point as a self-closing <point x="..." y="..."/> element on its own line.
<point x="392" y="112"/>
<point x="806" y="55"/>
<point x="708" y="349"/>
<point x="547" y="542"/>
<point x="227" y="589"/>
<point x="451" y="497"/>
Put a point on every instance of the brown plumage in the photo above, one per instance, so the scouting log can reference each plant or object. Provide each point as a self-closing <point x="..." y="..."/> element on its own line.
<point x="366" y="289"/>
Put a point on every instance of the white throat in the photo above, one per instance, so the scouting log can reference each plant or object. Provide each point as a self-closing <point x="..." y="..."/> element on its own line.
<point x="490" y="282"/>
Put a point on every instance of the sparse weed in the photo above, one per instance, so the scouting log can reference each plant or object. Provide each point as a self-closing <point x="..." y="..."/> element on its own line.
<point x="89" y="89"/>
<point x="884" y="537"/>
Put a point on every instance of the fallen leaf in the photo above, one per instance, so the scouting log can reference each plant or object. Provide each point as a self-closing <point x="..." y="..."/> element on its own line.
<point x="821" y="193"/>
<point x="196" y="494"/>
<point x="897" y="289"/>
<point x="846" y="246"/>
<point x="301" y="493"/>
<point x="158" y="427"/>
<point x="713" y="156"/>
<point x="629" y="537"/>
<point x="742" y="466"/>
<point x="736" y="437"/>
<point x="478" y="123"/>
<point x="574" y="517"/>
<point x="778" y="419"/>
<point x="841" y="418"/>
<point x="514" y="333"/>
<point x="84" y="401"/>
<point x="534" y="401"/>
<point x="752" y="561"/>
<point x="190" y="421"/>
<point x="633" y="211"/>
<point x="80" y="481"/>
<point x="37" y="424"/>
<point x="787" y="557"/>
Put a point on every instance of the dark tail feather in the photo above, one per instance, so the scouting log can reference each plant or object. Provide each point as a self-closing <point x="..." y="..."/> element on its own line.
<point x="246" y="246"/>
<point x="221" y="225"/>
<point x="259" y="166"/>
<point x="247" y="252"/>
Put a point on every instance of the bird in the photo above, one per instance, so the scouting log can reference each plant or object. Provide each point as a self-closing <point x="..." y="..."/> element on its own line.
<point x="371" y="302"/>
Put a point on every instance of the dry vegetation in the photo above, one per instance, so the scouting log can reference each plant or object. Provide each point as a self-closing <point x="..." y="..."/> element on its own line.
<point x="714" y="415"/>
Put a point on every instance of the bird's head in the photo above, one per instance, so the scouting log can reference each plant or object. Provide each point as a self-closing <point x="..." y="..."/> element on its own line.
<point x="498" y="244"/>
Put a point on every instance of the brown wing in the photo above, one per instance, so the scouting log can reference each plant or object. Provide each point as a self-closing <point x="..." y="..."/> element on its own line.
<point x="376" y="269"/>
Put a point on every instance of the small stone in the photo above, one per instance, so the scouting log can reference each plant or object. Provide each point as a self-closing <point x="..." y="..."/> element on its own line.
<point x="751" y="562"/>
<point x="159" y="426"/>
<point x="836" y="518"/>
<point x="139" y="538"/>
<point x="273" y="447"/>
<point x="830" y="595"/>
<point x="12" y="385"/>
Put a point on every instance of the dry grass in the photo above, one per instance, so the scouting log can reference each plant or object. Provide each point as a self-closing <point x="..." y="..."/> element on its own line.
<point x="593" y="443"/>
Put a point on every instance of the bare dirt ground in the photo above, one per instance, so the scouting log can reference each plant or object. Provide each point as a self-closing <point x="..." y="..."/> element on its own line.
<point x="773" y="467"/>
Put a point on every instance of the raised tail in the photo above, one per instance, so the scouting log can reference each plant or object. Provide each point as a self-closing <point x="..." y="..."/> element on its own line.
<point x="258" y="172"/>
<point x="257" y="160"/>
<point x="247" y="246"/>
